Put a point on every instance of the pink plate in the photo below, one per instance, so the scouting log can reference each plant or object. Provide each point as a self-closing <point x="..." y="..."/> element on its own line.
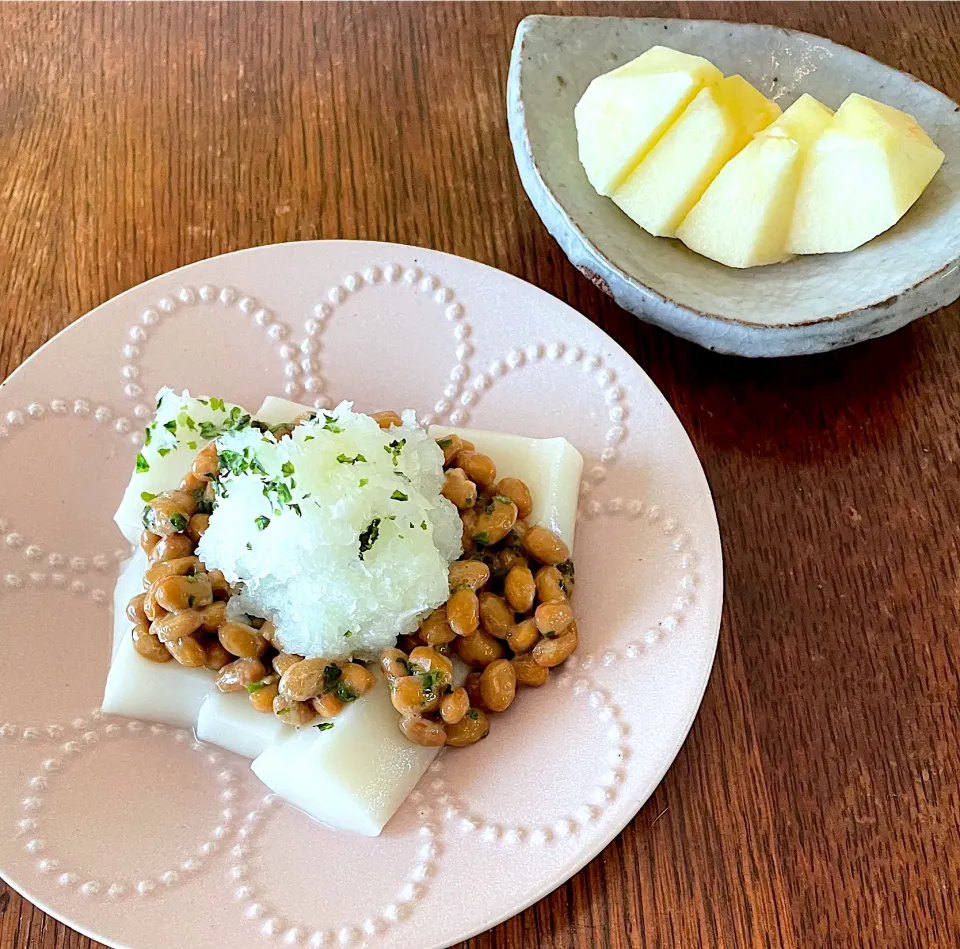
<point x="142" y="837"/>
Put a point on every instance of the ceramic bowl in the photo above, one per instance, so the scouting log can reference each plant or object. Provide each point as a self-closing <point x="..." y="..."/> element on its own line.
<point x="810" y="304"/>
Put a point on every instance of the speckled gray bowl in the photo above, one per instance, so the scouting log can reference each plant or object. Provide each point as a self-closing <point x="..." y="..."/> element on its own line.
<point x="810" y="304"/>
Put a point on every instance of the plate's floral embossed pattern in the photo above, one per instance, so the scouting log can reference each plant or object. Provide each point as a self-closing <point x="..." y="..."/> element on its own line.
<point x="412" y="280"/>
<point x="458" y="321"/>
<point x="30" y="826"/>
<point x="611" y="759"/>
<point x="310" y="932"/>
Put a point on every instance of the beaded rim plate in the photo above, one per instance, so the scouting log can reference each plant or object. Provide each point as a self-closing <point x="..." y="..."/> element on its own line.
<point x="142" y="837"/>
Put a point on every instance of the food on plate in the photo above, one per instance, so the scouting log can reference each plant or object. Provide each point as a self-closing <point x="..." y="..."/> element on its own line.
<point x="743" y="218"/>
<point x="666" y="184"/>
<point x="284" y="557"/>
<point x="861" y="176"/>
<point x="624" y="112"/>
<point x="685" y="152"/>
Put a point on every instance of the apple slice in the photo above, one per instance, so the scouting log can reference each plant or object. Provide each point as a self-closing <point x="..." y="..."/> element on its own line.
<point x="860" y="177"/>
<point x="624" y="112"/>
<point x="743" y="218"/>
<point x="712" y="129"/>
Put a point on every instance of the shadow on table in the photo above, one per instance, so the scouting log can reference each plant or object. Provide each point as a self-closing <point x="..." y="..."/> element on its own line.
<point x="802" y="407"/>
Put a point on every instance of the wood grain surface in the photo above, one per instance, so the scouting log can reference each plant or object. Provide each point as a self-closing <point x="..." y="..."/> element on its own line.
<point x="815" y="803"/>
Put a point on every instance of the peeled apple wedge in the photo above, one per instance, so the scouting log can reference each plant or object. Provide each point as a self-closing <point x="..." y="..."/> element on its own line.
<point x="743" y="218"/>
<point x="624" y="112"/>
<point x="666" y="184"/>
<point x="860" y="177"/>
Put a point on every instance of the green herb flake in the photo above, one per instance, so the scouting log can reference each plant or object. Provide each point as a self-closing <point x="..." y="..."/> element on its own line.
<point x="189" y="422"/>
<point x="394" y="449"/>
<point x="171" y="426"/>
<point x="231" y="461"/>
<point x="472" y="714"/>
<point x="147" y="435"/>
<point x="287" y="468"/>
<point x="261" y="522"/>
<point x="217" y="405"/>
<point x="364" y="482"/>
<point x="345" y="460"/>
<point x="324" y="726"/>
<point x="331" y="676"/>
<point x="249" y="546"/>
<point x="284" y="711"/>
<point x="445" y="442"/>
<point x="252" y="687"/>
<point x="347" y="634"/>
<point x="399" y="496"/>
<point x="369" y="536"/>
<point x="163" y="452"/>
<point x="330" y="424"/>
<point x="192" y="446"/>
<point x="482" y="538"/>
<point x="146" y="496"/>
<point x="178" y="522"/>
<point x="423" y="525"/>
<point x="429" y="680"/>
<point x="309" y="438"/>
<point x="142" y="465"/>
<point x="345" y="693"/>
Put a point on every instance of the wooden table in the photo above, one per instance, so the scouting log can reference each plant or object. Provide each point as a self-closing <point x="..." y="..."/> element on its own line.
<point x="815" y="803"/>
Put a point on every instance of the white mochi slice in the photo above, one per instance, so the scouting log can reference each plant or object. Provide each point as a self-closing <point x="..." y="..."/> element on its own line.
<point x="171" y="451"/>
<point x="275" y="411"/>
<point x="229" y="720"/>
<point x="155" y="692"/>
<point x="550" y="467"/>
<point x="129" y="584"/>
<point x="353" y="776"/>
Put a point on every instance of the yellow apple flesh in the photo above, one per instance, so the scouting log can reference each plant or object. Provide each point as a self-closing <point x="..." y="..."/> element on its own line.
<point x="860" y="177"/>
<point x="666" y="184"/>
<point x="625" y="112"/>
<point x="743" y="219"/>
